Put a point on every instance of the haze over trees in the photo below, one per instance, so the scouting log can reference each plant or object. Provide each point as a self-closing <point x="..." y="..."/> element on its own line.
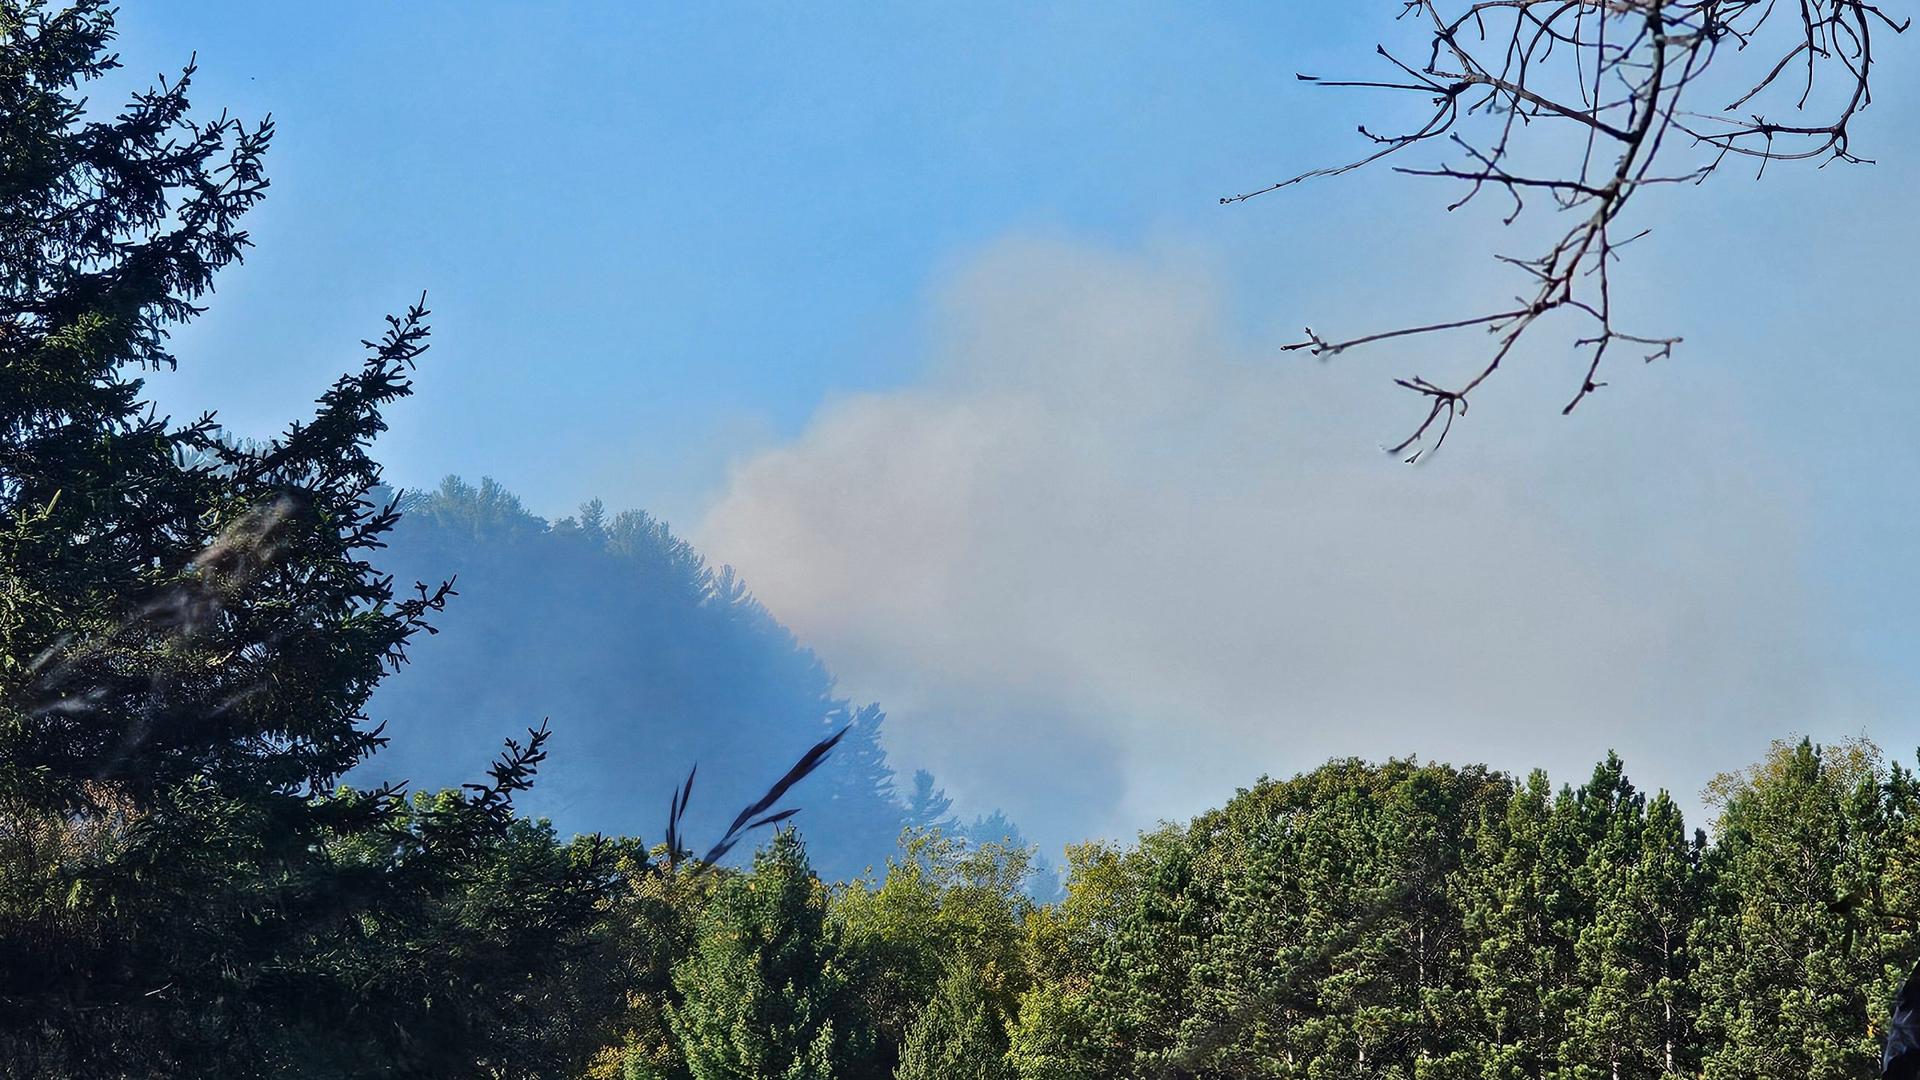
<point x="193" y="882"/>
<point x="646" y="660"/>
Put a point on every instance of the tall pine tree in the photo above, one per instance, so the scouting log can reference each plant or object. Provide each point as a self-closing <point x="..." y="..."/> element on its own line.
<point x="1783" y="970"/>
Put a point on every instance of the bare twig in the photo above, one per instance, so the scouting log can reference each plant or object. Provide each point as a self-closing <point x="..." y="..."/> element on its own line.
<point x="1623" y="75"/>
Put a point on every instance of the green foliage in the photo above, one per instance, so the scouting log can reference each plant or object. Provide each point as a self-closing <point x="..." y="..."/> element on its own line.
<point x="943" y="905"/>
<point x="1414" y="921"/>
<point x="1050" y="1038"/>
<point x="760" y="989"/>
<point x="1339" y="939"/>
<point x="960" y="1034"/>
<point x="1791" y="965"/>
<point x="191" y="632"/>
<point x="1144" y="974"/>
<point x="652" y="925"/>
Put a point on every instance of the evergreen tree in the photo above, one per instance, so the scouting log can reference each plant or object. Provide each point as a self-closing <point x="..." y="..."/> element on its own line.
<point x="1514" y="892"/>
<point x="1666" y="893"/>
<point x="1139" y="995"/>
<point x="894" y="947"/>
<point x="1606" y="1031"/>
<point x="1254" y="979"/>
<point x="1783" y="971"/>
<point x="1050" y="1036"/>
<point x="761" y="989"/>
<point x="1341" y="950"/>
<point x="928" y="807"/>
<point x="943" y="905"/>
<point x="1889" y="900"/>
<point x="853" y="797"/>
<point x="190" y="631"/>
<point x="960" y="1034"/>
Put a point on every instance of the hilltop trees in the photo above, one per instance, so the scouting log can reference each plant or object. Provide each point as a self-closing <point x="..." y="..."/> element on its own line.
<point x="1394" y="919"/>
<point x="647" y="658"/>
<point x="1423" y="921"/>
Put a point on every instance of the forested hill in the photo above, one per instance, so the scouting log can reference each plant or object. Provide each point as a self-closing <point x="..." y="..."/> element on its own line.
<point x="646" y="660"/>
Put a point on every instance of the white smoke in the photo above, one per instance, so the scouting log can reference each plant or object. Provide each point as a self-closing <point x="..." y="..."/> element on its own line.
<point x="1106" y="563"/>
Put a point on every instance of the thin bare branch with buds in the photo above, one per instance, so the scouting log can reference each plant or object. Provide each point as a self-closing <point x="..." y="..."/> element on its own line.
<point x="1609" y="93"/>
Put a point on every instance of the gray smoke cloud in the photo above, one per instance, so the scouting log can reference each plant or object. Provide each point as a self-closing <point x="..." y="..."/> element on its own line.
<point x="1107" y="562"/>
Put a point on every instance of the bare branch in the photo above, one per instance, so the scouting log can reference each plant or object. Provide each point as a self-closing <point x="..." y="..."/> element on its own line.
<point x="1626" y="76"/>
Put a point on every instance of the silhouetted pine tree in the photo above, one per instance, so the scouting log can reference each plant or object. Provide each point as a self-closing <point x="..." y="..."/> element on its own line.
<point x="928" y="807"/>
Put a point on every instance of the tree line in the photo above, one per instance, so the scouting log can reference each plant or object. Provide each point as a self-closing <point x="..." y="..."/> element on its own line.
<point x="1392" y="919"/>
<point x="192" y="631"/>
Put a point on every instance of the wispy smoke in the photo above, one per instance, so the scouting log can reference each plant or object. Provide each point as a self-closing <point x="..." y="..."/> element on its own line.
<point x="1106" y="563"/>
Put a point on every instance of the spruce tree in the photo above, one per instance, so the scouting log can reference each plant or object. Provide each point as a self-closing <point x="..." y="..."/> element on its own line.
<point x="190" y="629"/>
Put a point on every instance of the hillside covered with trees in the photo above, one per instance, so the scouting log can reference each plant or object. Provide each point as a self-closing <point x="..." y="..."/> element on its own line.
<point x="646" y="661"/>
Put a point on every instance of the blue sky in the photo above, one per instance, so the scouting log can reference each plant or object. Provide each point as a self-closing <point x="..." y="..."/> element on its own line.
<point x="679" y="253"/>
<point x="650" y="231"/>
